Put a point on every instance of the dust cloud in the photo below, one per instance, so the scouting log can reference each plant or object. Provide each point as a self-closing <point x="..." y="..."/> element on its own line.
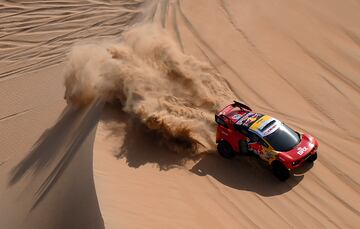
<point x="172" y="93"/>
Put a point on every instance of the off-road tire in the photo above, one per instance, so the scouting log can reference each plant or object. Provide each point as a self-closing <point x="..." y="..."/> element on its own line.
<point x="225" y="150"/>
<point x="280" y="171"/>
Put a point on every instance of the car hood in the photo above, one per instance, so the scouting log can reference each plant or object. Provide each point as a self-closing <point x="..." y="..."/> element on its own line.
<point x="305" y="146"/>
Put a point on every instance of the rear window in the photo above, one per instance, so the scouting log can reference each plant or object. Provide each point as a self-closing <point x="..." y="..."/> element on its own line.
<point x="220" y="121"/>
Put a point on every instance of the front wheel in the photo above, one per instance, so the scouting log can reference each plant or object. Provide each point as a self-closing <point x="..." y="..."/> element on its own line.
<point x="280" y="171"/>
<point x="225" y="150"/>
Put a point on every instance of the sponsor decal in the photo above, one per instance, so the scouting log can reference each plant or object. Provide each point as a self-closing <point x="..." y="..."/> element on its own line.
<point x="256" y="148"/>
<point x="269" y="155"/>
<point x="247" y="119"/>
<point x="301" y="150"/>
<point x="272" y="129"/>
<point x="236" y="116"/>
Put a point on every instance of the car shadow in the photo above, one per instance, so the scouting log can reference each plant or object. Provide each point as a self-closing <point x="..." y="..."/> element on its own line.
<point x="244" y="173"/>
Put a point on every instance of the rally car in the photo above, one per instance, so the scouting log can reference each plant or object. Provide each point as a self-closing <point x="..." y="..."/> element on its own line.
<point x="240" y="130"/>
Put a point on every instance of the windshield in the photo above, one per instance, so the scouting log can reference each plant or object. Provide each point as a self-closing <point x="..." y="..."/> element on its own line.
<point x="283" y="139"/>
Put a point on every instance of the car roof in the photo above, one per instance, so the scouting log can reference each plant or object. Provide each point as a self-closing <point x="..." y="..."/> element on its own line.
<point x="259" y="124"/>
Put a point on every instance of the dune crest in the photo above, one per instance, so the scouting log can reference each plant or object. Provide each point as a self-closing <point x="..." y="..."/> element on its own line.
<point x="169" y="91"/>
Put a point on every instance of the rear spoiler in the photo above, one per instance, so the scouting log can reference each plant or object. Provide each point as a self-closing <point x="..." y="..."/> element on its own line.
<point x="223" y="120"/>
<point x="241" y="106"/>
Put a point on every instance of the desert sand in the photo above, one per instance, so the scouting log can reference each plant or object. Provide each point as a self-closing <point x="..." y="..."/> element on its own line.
<point x="107" y="107"/>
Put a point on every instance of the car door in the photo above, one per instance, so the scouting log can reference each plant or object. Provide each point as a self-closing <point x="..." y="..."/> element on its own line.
<point x="257" y="145"/>
<point x="227" y="132"/>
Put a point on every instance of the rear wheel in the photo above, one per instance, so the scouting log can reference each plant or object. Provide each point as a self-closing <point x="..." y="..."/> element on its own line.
<point x="225" y="150"/>
<point x="280" y="171"/>
<point x="312" y="158"/>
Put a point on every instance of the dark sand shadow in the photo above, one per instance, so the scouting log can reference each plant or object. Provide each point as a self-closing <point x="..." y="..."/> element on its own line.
<point x="47" y="147"/>
<point x="68" y="142"/>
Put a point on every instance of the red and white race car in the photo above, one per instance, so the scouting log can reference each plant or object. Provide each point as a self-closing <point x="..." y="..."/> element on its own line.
<point x="244" y="131"/>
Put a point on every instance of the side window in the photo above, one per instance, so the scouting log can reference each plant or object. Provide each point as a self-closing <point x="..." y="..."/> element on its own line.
<point x="220" y="121"/>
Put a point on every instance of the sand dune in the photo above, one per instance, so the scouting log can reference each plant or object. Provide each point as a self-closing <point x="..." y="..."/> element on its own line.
<point x="129" y="63"/>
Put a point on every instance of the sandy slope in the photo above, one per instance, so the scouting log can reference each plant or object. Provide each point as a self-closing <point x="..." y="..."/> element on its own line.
<point x="46" y="167"/>
<point x="298" y="61"/>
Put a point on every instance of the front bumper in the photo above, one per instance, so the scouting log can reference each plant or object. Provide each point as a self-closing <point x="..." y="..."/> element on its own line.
<point x="299" y="162"/>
